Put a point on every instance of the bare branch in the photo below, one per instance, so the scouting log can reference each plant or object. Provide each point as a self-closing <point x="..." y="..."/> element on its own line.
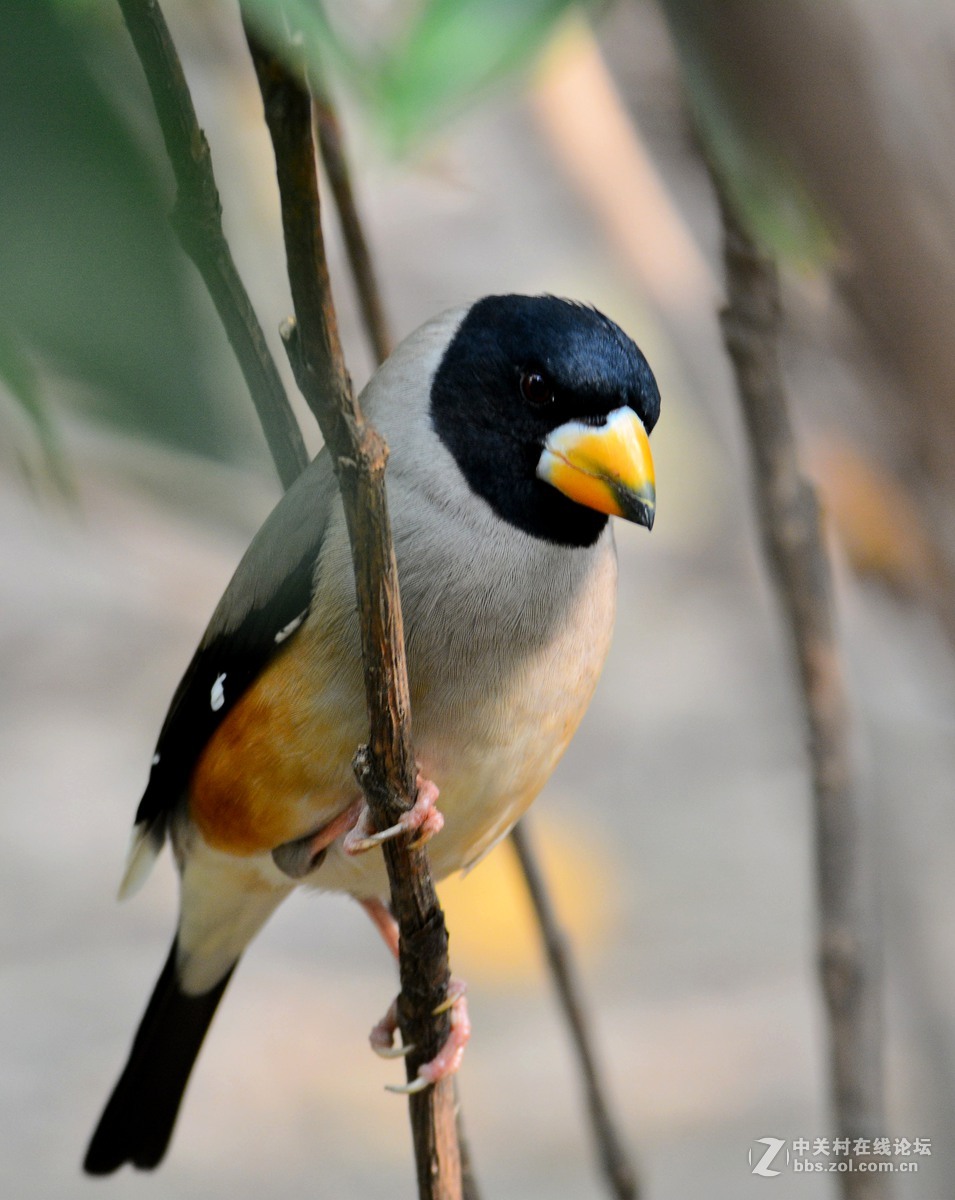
<point x="331" y="145"/>
<point x="469" y="1183"/>
<point x="386" y="767"/>
<point x="849" y="953"/>
<point x="620" y="1175"/>
<point x="197" y="220"/>
<point x="619" y="1171"/>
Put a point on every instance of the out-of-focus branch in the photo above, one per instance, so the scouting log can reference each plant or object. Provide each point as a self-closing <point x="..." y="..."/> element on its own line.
<point x="197" y="220"/>
<point x="331" y="145"/>
<point x="848" y="947"/>
<point x="619" y="1171"/>
<point x="386" y="767"/>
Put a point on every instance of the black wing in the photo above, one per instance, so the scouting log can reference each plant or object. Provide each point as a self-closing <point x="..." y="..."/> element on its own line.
<point x="262" y="608"/>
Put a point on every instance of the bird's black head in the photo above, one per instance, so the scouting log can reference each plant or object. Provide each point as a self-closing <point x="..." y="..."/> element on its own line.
<point x="522" y="398"/>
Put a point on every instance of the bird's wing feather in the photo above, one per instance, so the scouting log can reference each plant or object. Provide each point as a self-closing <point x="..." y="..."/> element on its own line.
<point x="261" y="609"/>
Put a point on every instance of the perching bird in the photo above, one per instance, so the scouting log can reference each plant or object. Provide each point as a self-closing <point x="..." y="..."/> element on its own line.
<point x="516" y="426"/>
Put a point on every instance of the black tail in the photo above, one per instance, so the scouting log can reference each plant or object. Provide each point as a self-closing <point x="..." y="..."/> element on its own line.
<point x="137" y="1122"/>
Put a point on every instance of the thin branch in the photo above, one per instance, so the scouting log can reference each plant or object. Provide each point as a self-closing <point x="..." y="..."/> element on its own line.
<point x="321" y="373"/>
<point x="618" y="1169"/>
<point x="848" y="948"/>
<point x="469" y="1183"/>
<point x="386" y="767"/>
<point x="614" y="1160"/>
<point x="197" y="220"/>
<point x="331" y="145"/>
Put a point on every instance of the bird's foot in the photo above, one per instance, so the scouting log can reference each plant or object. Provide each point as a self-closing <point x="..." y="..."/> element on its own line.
<point x="423" y="817"/>
<point x="303" y="855"/>
<point x="448" y="1059"/>
<point x="382" y="1036"/>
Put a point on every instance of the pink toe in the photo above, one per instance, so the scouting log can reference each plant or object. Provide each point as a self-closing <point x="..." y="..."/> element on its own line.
<point x="448" y="1059"/>
<point x="427" y="791"/>
<point x="382" y="1037"/>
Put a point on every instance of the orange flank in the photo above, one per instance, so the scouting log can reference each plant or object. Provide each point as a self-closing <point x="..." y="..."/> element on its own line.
<point x="279" y="765"/>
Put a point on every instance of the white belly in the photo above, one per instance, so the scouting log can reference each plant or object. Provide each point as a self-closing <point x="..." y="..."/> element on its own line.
<point x="490" y="756"/>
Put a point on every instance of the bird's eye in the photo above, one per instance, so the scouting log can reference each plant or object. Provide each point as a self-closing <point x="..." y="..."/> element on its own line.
<point x="537" y="389"/>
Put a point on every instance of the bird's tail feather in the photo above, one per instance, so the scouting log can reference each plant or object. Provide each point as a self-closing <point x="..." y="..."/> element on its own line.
<point x="147" y="840"/>
<point x="138" y="1120"/>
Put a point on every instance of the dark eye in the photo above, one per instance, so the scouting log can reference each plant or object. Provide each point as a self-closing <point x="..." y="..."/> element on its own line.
<point x="537" y="389"/>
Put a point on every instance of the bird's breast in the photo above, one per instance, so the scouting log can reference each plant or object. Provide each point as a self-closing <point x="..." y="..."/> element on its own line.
<point x="489" y="730"/>
<point x="497" y="694"/>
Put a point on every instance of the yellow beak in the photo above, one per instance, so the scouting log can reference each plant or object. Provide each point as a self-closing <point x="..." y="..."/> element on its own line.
<point x="607" y="467"/>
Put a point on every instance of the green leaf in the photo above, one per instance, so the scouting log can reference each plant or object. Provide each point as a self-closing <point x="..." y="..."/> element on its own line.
<point x="91" y="277"/>
<point x="18" y="374"/>
<point x="445" y="57"/>
<point x="18" y="377"/>
<point x="452" y="54"/>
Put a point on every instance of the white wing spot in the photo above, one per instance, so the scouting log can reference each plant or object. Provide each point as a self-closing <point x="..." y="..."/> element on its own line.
<point x="217" y="695"/>
<point x="287" y="630"/>
<point x="155" y="760"/>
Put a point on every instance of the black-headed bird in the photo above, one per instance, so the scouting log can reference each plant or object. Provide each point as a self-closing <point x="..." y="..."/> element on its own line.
<point x="516" y="427"/>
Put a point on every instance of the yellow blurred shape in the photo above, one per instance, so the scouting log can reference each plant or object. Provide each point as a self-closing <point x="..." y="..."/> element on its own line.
<point x="494" y="934"/>
<point x="874" y="518"/>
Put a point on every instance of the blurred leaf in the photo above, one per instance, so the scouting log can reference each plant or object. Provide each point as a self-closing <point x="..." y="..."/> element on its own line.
<point x="453" y="53"/>
<point x="18" y="377"/>
<point x="765" y="187"/>
<point x="880" y="525"/>
<point x="17" y="373"/>
<point x="91" y="277"/>
<point x="447" y="55"/>
<point x="308" y="24"/>
<point x="495" y="931"/>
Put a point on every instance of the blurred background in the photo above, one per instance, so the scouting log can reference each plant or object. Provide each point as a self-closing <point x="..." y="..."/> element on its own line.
<point x="526" y="146"/>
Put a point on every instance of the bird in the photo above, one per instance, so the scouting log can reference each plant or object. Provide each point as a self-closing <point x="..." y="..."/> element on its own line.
<point x="517" y="427"/>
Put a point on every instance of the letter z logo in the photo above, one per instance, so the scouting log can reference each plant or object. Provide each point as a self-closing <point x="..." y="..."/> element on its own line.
<point x="773" y="1147"/>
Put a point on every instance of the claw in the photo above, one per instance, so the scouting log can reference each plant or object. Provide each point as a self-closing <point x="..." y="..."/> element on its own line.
<point x="409" y="1089"/>
<point x="358" y="845"/>
<point x="456" y="990"/>
<point x="448" y="1059"/>
<point x="423" y="817"/>
<point x="392" y="1051"/>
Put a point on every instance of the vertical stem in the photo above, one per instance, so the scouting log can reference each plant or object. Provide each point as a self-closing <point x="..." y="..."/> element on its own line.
<point x="386" y="767"/>
<point x="848" y="945"/>
<point x="331" y="146"/>
<point x="614" y="1160"/>
<point x="197" y="220"/>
